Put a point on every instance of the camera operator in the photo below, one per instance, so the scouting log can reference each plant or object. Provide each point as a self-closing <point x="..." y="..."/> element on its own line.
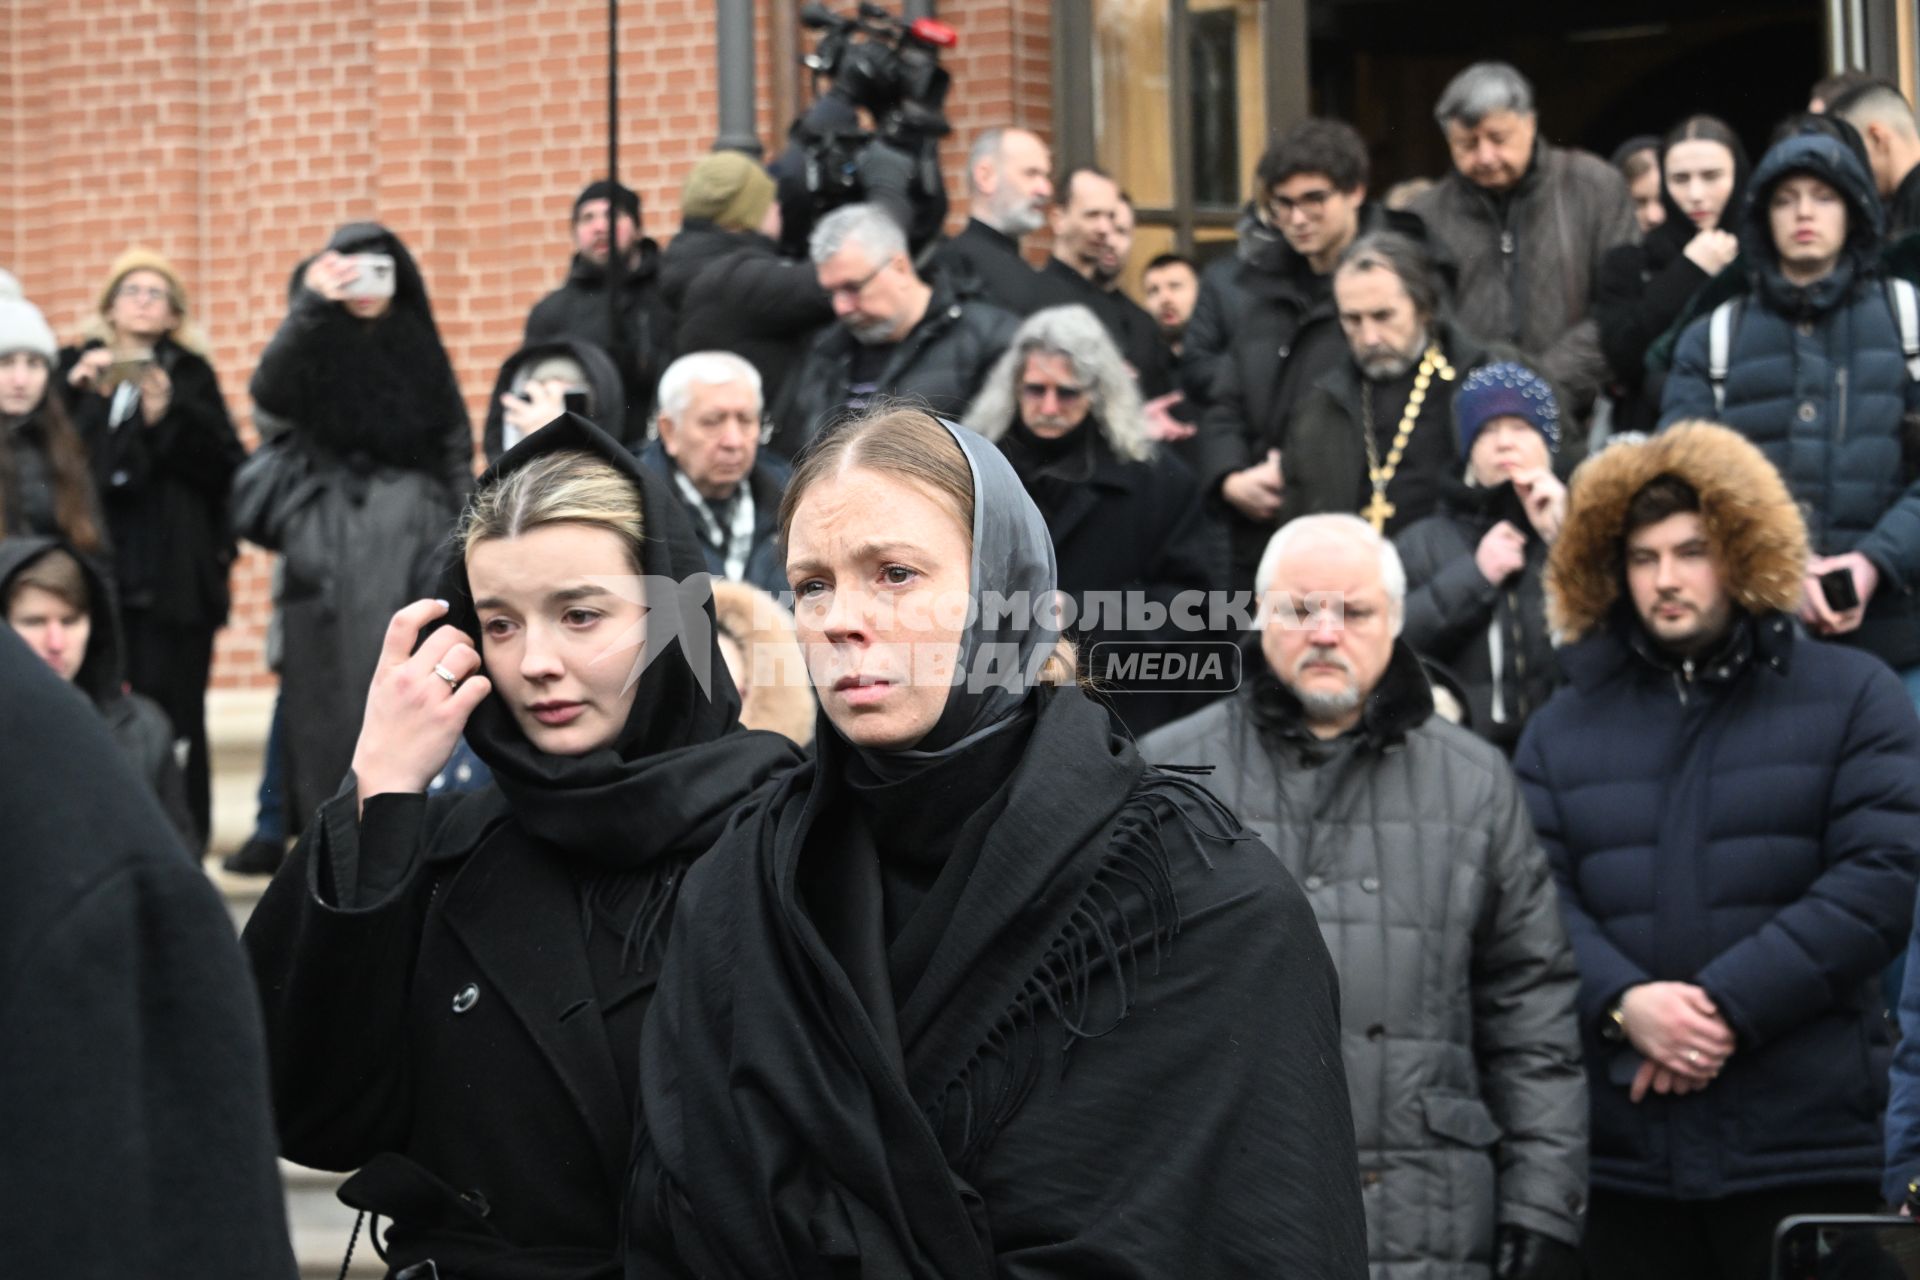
<point x="894" y="76"/>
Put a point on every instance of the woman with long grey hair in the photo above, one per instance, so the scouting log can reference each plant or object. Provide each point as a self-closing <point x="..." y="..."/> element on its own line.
<point x="1126" y="518"/>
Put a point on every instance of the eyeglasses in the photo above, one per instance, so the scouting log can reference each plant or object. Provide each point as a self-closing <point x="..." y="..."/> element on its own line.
<point x="1038" y="391"/>
<point x="142" y="293"/>
<point x="852" y="292"/>
<point x="1312" y="203"/>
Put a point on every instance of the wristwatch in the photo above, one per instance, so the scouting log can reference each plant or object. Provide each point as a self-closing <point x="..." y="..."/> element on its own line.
<point x="1615" y="1027"/>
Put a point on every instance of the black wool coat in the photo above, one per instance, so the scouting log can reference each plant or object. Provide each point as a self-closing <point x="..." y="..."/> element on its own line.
<point x="163" y="489"/>
<point x="1130" y="527"/>
<point x="1133" y="330"/>
<point x="941" y="364"/>
<point x="454" y="988"/>
<point x="987" y="264"/>
<point x="643" y="346"/>
<point x="133" y="1090"/>
<point x="734" y="291"/>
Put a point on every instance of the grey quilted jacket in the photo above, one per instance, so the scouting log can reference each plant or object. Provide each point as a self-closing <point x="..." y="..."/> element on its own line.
<point x="1457" y="983"/>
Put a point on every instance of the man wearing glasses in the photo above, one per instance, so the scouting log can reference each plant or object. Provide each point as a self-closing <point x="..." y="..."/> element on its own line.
<point x="1528" y="224"/>
<point x="1312" y="189"/>
<point x="897" y="336"/>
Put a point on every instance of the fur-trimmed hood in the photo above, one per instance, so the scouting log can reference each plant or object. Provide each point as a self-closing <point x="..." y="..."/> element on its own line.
<point x="775" y="687"/>
<point x="1751" y="521"/>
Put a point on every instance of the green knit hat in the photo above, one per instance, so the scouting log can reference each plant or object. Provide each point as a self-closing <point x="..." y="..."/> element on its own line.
<point x="728" y="188"/>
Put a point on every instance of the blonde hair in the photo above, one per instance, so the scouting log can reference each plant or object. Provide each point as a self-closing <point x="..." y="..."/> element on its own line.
<point x="910" y="445"/>
<point x="569" y="486"/>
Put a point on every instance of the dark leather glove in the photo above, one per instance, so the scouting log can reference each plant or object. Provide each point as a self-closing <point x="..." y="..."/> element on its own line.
<point x="1520" y="1254"/>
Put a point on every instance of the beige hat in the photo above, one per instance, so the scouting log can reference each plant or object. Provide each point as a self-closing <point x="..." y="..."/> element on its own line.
<point x="728" y="188"/>
<point x="140" y="259"/>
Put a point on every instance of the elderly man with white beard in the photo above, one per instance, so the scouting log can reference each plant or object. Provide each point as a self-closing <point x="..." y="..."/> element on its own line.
<point x="1457" y="983"/>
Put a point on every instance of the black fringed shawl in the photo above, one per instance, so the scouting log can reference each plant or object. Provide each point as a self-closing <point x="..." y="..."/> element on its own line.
<point x="1062" y="1093"/>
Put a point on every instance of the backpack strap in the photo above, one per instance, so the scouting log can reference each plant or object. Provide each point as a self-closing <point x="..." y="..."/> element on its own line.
<point x="1905" y="301"/>
<point x="1721" y="327"/>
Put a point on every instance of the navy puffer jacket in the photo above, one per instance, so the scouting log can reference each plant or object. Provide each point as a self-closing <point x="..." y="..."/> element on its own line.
<point x="1818" y="381"/>
<point x="1746" y="823"/>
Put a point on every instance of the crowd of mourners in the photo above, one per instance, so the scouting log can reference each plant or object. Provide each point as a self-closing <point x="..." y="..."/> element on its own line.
<point x="685" y="862"/>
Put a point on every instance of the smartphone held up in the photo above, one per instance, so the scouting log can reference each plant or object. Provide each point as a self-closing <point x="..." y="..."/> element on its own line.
<point x="373" y="276"/>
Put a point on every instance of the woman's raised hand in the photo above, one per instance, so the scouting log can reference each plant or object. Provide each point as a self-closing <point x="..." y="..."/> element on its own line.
<point x="418" y="703"/>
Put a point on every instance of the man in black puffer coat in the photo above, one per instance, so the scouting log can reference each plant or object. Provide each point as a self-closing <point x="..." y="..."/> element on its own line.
<point x="579" y="307"/>
<point x="897" y="337"/>
<point x="728" y="285"/>
<point x="1732" y="811"/>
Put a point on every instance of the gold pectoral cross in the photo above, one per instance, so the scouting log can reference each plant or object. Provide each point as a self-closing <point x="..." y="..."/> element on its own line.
<point x="1378" y="512"/>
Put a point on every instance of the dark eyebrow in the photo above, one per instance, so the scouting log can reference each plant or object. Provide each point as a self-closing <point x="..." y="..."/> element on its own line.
<point x="565" y="595"/>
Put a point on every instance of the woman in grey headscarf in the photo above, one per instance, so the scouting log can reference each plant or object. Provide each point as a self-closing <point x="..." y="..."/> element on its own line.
<point x="856" y="1062"/>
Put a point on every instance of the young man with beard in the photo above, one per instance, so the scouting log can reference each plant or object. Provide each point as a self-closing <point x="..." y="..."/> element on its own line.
<point x="1732" y="813"/>
<point x="1462" y="1056"/>
<point x="607" y="214"/>
<point x="1172" y="285"/>
<point x="1009" y="186"/>
<point x="897" y="335"/>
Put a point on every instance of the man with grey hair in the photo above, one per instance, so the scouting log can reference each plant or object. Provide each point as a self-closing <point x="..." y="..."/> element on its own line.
<point x="1009" y="185"/>
<point x="1410" y="837"/>
<point x="1528" y="223"/>
<point x="1125" y="516"/>
<point x="1885" y="120"/>
<point x="707" y="446"/>
<point x="897" y="335"/>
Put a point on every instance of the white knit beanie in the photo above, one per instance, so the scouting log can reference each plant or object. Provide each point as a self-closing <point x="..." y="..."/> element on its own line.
<point x="22" y="327"/>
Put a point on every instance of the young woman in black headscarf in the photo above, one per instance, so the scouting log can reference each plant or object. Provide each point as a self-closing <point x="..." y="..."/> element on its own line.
<point x="454" y="987"/>
<point x="977" y="993"/>
<point x="382" y="448"/>
<point x="1643" y="288"/>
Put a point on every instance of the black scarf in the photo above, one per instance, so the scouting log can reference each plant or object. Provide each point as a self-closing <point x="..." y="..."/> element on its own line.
<point x="660" y="794"/>
<point x="863" y="1114"/>
<point x="884" y="1013"/>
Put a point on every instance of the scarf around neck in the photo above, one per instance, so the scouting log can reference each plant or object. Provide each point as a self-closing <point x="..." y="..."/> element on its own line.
<point x="664" y="788"/>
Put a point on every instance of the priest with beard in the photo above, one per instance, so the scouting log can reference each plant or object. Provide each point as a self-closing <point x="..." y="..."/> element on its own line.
<point x="1374" y="436"/>
<point x="1476" y="604"/>
<point x="1126" y="517"/>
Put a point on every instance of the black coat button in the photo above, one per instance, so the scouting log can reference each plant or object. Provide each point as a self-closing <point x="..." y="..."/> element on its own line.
<point x="466" y="998"/>
<point x="1376" y="1032"/>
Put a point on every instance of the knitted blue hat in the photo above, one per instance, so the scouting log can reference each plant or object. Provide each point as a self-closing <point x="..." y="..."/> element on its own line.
<point x="1505" y="390"/>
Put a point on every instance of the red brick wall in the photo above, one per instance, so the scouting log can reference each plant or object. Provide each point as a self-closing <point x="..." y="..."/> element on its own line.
<point x="234" y="135"/>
